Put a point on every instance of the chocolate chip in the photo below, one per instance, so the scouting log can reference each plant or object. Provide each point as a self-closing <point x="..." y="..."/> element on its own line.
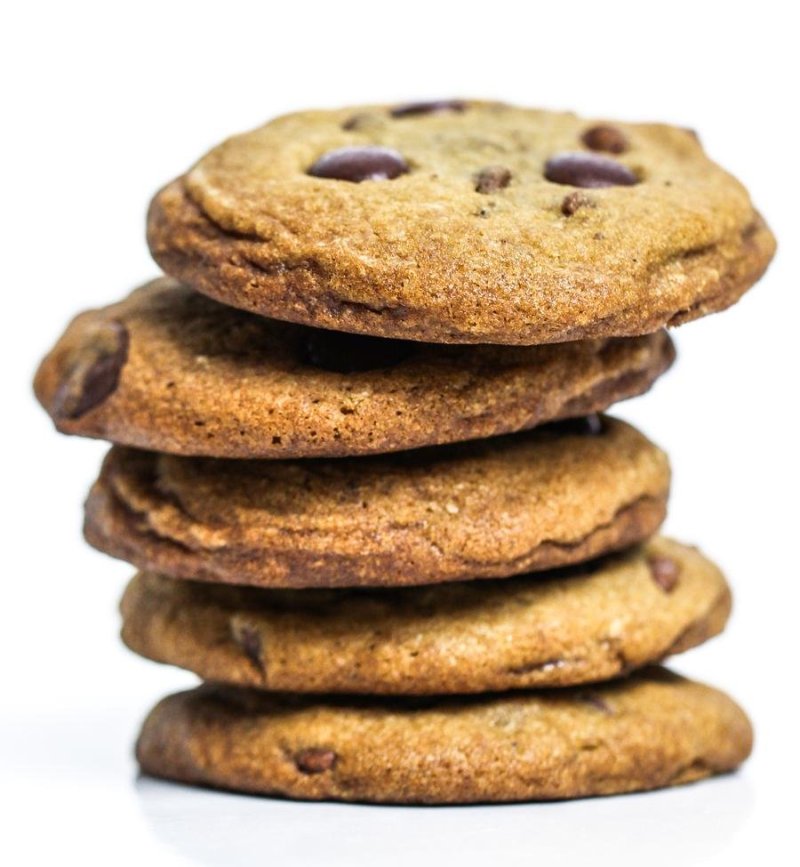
<point x="315" y="760"/>
<point x="605" y="138"/>
<point x="491" y="179"/>
<point x="595" y="701"/>
<point x="94" y="371"/>
<point x="435" y="107"/>
<point x="356" y="164"/>
<point x="249" y="639"/>
<point x="352" y="353"/>
<point x="575" y="201"/>
<point x="665" y="572"/>
<point x="587" y="425"/>
<point x="588" y="170"/>
<point x="363" y="120"/>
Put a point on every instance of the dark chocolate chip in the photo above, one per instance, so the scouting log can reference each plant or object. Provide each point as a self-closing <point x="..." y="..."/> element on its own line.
<point x="94" y="372"/>
<point x="248" y="638"/>
<point x="587" y="425"/>
<point x="595" y="701"/>
<point x="315" y="760"/>
<point x="588" y="170"/>
<point x="435" y="107"/>
<point x="352" y="353"/>
<point x="363" y="120"/>
<point x="665" y="572"/>
<point x="574" y="201"/>
<point x="491" y="179"/>
<point x="605" y="138"/>
<point x="361" y="163"/>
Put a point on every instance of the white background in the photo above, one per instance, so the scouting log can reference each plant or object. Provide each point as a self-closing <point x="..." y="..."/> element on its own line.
<point x="102" y="103"/>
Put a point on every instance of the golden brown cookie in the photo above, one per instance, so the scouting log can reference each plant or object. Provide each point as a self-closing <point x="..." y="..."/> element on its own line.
<point x="586" y="623"/>
<point x="549" y="497"/>
<point x="199" y="378"/>
<point x="650" y="731"/>
<point x="479" y="223"/>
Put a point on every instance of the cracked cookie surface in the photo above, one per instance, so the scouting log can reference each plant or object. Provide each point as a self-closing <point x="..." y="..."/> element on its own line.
<point x="583" y="624"/>
<point x="649" y="731"/>
<point x="485" y="223"/>
<point x="199" y="378"/>
<point x="557" y="495"/>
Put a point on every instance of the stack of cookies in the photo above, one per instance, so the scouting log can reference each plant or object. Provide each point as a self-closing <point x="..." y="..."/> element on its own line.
<point x="359" y="461"/>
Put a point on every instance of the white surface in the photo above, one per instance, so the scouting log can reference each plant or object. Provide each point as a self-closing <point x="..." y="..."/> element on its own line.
<point x="104" y="102"/>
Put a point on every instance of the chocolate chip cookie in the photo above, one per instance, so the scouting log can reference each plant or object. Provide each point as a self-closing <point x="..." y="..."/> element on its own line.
<point x="553" y="496"/>
<point x="582" y="624"/>
<point x="652" y="730"/>
<point x="463" y="222"/>
<point x="170" y="370"/>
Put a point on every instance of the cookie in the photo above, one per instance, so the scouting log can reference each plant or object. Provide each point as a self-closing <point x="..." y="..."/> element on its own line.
<point x="549" y="497"/>
<point x="485" y="223"/>
<point x="199" y="378"/>
<point x="584" y="624"/>
<point x="652" y="730"/>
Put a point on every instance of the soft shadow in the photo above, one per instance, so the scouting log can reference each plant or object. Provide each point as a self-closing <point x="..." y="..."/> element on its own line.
<point x="687" y="824"/>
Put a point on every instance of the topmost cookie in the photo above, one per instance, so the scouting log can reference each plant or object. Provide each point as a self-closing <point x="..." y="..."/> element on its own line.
<point x="463" y="222"/>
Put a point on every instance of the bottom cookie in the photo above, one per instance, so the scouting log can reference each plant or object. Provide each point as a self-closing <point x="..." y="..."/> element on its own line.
<point x="652" y="730"/>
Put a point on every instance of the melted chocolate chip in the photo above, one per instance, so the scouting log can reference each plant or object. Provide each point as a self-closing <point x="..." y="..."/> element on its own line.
<point x="435" y="107"/>
<point x="362" y="120"/>
<point x="605" y="138"/>
<point x="665" y="572"/>
<point x="356" y="164"/>
<point x="595" y="701"/>
<point x="94" y="372"/>
<point x="575" y="201"/>
<point x="249" y="640"/>
<point x="315" y="760"/>
<point x="352" y="353"/>
<point x="491" y="179"/>
<point x="588" y="170"/>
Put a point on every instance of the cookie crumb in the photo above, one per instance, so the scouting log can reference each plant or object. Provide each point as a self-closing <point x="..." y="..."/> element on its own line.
<point x="491" y="179"/>
<point x="574" y="201"/>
